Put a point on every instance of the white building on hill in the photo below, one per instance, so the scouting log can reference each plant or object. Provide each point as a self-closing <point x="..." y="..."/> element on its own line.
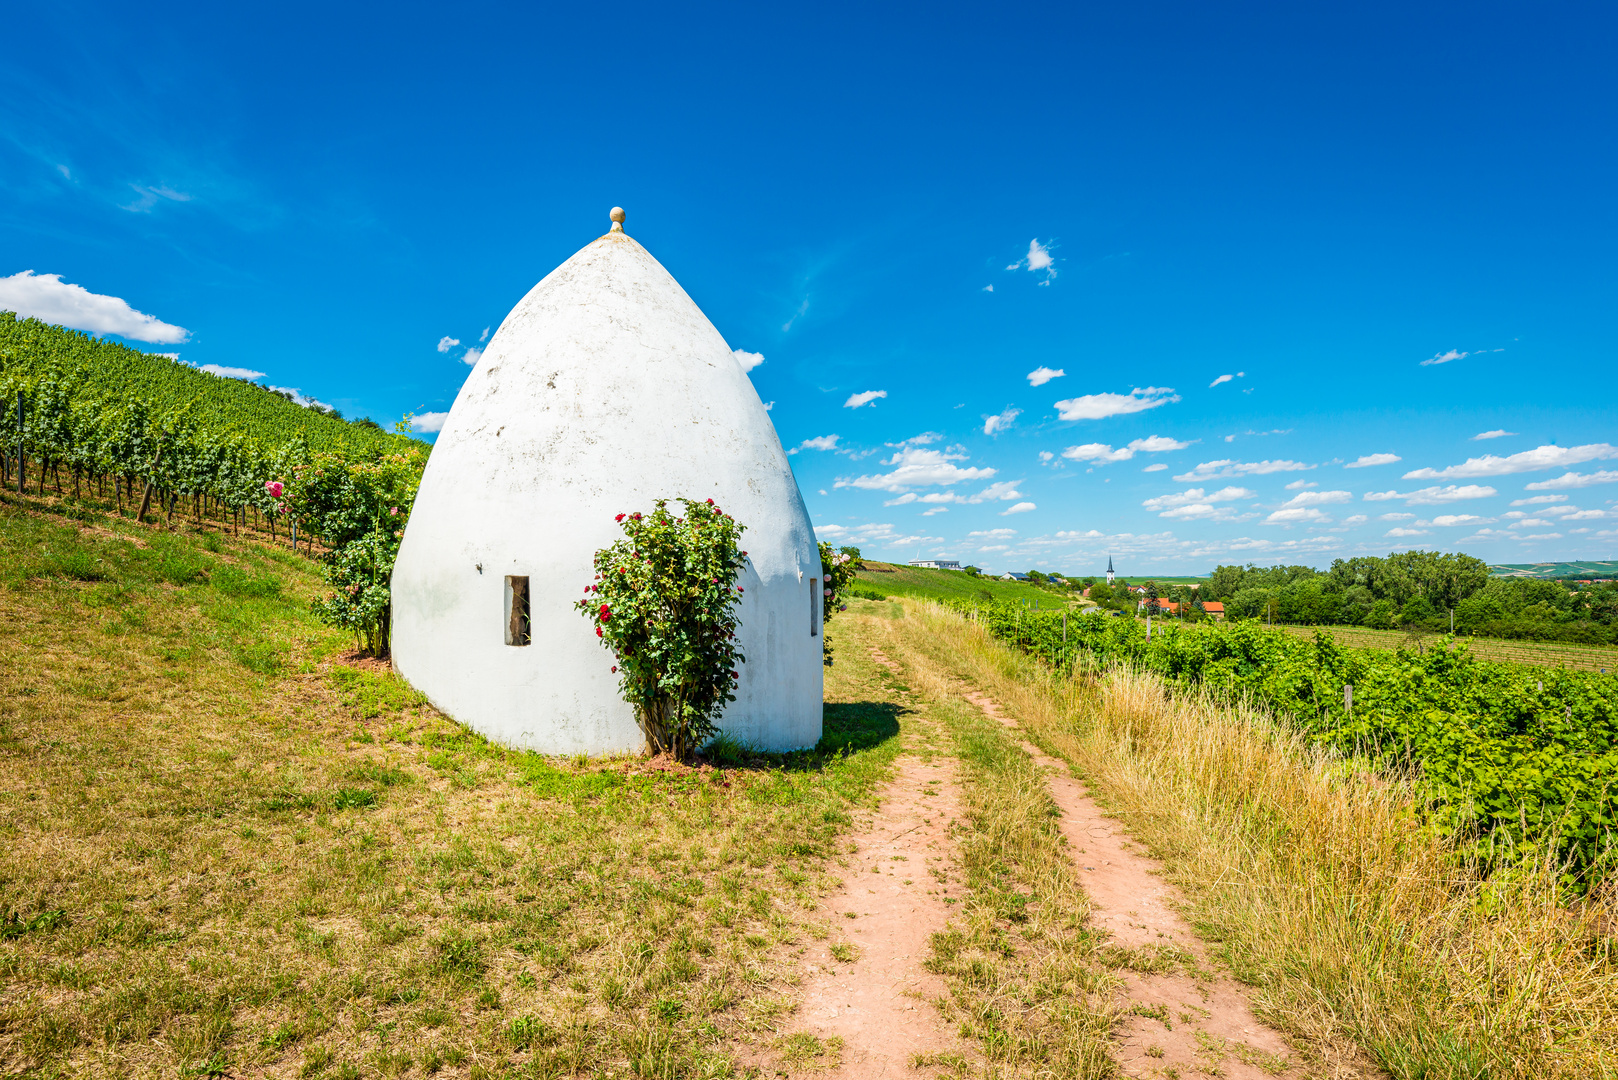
<point x="604" y="389"/>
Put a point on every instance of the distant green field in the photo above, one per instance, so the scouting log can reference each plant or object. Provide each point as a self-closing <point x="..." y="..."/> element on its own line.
<point x="890" y="579"/>
<point x="1555" y="570"/>
<point x="1541" y="653"/>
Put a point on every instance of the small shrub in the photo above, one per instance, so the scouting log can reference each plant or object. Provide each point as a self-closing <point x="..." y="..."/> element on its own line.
<point x="353" y="799"/>
<point x="458" y="956"/>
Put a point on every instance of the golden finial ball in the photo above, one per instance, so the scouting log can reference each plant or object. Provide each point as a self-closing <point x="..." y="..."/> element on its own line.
<point x="617" y="214"/>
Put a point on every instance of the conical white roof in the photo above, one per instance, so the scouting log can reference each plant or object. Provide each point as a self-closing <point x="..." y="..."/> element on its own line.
<point x="604" y="389"/>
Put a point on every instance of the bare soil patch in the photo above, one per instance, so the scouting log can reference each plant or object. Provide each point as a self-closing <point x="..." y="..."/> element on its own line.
<point x="877" y="995"/>
<point x="867" y="984"/>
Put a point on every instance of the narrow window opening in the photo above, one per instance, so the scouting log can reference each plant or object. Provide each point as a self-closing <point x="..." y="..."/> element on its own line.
<point x="518" y="629"/>
<point x="814" y="607"/>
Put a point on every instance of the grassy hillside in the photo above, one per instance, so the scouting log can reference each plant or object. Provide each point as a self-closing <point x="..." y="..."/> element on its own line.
<point x="106" y="369"/>
<point x="1573" y="570"/>
<point x="225" y="850"/>
<point x="892" y="579"/>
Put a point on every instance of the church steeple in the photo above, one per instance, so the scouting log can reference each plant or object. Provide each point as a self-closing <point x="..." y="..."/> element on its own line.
<point x="1109" y="569"/>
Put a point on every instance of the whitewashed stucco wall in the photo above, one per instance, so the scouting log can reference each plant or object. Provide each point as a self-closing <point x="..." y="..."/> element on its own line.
<point x="604" y="389"/>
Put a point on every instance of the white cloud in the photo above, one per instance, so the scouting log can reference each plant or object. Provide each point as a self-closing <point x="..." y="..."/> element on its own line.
<point x="1372" y="459"/>
<point x="228" y="372"/>
<point x="1046" y="455"/>
<point x="472" y="356"/>
<point x="871" y="533"/>
<point x="1042" y="375"/>
<point x="1405" y="532"/>
<point x="1204" y="512"/>
<point x="748" y="360"/>
<point x="1100" y="406"/>
<point x="1226" y="379"/>
<point x="484" y="336"/>
<point x="1003" y="490"/>
<point x="1300" y="485"/>
<point x="768" y="405"/>
<point x="1394" y="517"/>
<point x="993" y="534"/>
<point x="1100" y="453"/>
<point x="1037" y="259"/>
<point x="1318" y="498"/>
<point x="169" y="356"/>
<point x="993" y="425"/>
<point x="49" y="299"/>
<point x="446" y="343"/>
<point x="1192" y="496"/>
<point x="1019" y="508"/>
<point x="1446" y="521"/>
<point x="1211" y="470"/>
<point x="1445" y="357"/>
<point x="1587" y="515"/>
<point x="1537" y="500"/>
<point x="1159" y="467"/>
<point x="1575" y="480"/>
<point x="1103" y="454"/>
<point x="428" y="421"/>
<point x="1356" y="519"/>
<point x="1497" y="433"/>
<point x="819" y="442"/>
<point x="1544" y="536"/>
<point x="803" y="309"/>
<point x="988" y="288"/>
<point x="864" y="398"/>
<point x="148" y="197"/>
<point x="919" y="468"/>
<point x="1434" y="496"/>
<point x="1298" y="515"/>
<point x="299" y="397"/>
<point x="1542" y="457"/>
<point x="935" y="510"/>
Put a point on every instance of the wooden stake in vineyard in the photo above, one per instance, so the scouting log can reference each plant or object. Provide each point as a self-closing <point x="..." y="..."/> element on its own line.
<point x="19" y="443"/>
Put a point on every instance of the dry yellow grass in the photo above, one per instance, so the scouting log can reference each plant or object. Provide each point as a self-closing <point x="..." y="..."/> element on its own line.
<point x="1355" y="925"/>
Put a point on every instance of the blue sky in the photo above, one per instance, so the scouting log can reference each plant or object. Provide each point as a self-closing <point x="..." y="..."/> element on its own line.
<point x="1392" y="228"/>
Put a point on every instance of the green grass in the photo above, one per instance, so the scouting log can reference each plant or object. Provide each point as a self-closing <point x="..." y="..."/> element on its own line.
<point x="222" y="850"/>
<point x="892" y="580"/>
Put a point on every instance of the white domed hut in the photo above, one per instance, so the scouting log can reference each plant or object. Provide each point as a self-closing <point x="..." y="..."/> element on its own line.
<point x="604" y="389"/>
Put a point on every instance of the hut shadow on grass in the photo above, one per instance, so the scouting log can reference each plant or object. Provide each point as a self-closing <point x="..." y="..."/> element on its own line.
<point x="846" y="728"/>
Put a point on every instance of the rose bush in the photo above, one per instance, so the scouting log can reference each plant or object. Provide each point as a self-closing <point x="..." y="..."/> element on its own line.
<point x="664" y="601"/>
<point x="837" y="569"/>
